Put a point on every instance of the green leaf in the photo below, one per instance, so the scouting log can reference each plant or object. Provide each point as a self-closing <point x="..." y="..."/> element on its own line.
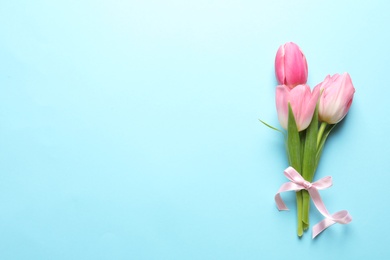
<point x="302" y="136"/>
<point x="272" y="127"/>
<point x="293" y="141"/>
<point x="309" y="154"/>
<point x="308" y="164"/>
<point x="294" y="156"/>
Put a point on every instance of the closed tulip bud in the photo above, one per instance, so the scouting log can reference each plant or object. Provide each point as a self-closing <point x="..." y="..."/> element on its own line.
<point x="290" y="65"/>
<point x="336" y="98"/>
<point x="303" y="103"/>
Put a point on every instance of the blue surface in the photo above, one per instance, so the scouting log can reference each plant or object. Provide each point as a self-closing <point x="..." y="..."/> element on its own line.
<point x="129" y="129"/>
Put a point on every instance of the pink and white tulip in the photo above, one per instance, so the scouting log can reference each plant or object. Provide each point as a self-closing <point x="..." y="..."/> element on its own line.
<point x="290" y="65"/>
<point x="336" y="98"/>
<point x="303" y="103"/>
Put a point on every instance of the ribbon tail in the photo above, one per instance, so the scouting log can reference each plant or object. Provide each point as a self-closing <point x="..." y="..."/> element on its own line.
<point x="341" y="217"/>
<point x="321" y="226"/>
<point x="315" y="196"/>
<point x="288" y="186"/>
<point x="279" y="202"/>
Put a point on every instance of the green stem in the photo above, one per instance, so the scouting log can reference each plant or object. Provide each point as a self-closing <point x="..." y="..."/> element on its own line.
<point x="299" y="212"/>
<point x="305" y="209"/>
<point x="321" y="132"/>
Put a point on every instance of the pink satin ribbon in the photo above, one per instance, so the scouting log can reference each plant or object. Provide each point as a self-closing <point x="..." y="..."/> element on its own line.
<point x="297" y="183"/>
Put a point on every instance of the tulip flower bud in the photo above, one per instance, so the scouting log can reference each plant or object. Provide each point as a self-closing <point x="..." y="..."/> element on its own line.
<point x="290" y="65"/>
<point x="336" y="98"/>
<point x="303" y="103"/>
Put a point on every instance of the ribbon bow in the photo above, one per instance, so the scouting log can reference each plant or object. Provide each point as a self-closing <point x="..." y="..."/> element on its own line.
<point x="297" y="183"/>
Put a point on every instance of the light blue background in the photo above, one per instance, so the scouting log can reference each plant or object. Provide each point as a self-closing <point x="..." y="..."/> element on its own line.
<point x="129" y="129"/>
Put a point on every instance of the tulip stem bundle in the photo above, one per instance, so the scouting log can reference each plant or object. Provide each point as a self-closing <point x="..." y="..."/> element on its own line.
<point x="302" y="152"/>
<point x="300" y="111"/>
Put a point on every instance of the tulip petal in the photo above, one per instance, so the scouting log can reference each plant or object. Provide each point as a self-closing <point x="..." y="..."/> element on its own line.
<point x="282" y="96"/>
<point x="279" y="65"/>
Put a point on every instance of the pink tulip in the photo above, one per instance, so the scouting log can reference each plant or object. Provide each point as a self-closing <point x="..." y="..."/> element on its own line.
<point x="303" y="103"/>
<point x="336" y="98"/>
<point x="290" y="65"/>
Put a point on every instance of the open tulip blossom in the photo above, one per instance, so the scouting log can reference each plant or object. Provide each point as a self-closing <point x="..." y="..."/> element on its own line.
<point x="308" y="116"/>
<point x="302" y="101"/>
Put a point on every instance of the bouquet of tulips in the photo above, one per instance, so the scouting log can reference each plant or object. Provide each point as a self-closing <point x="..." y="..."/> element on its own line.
<point x="309" y="117"/>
